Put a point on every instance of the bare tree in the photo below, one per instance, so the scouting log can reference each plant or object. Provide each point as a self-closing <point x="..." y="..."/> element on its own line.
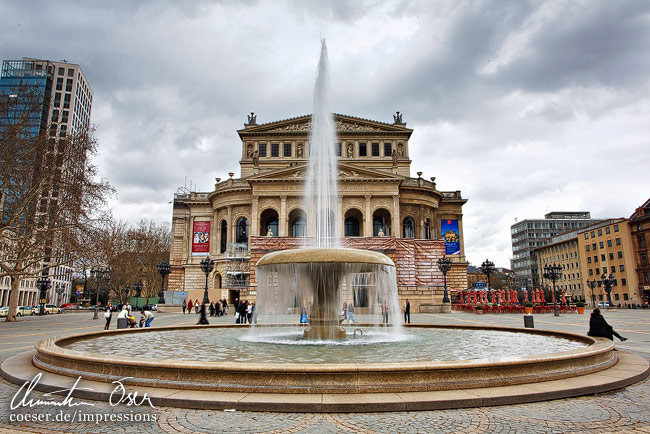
<point x="50" y="194"/>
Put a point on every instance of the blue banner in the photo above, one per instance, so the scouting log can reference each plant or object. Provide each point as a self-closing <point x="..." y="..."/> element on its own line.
<point x="449" y="229"/>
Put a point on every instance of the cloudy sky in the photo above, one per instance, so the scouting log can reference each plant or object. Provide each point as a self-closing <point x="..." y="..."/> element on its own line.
<point x="525" y="106"/>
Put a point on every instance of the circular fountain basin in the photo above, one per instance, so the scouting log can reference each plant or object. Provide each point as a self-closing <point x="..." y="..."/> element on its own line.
<point x="352" y="376"/>
<point x="325" y="256"/>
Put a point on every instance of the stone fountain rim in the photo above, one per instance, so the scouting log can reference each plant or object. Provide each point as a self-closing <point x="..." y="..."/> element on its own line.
<point x="325" y="256"/>
<point x="52" y="347"/>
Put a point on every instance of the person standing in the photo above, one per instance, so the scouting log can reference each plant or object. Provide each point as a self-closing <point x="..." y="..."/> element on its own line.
<point x="224" y="306"/>
<point x="599" y="327"/>
<point x="128" y="306"/>
<point x="345" y="311"/>
<point x="384" y="312"/>
<point x="351" y="313"/>
<point x="249" y="312"/>
<point x="184" y="306"/>
<point x="189" y="306"/>
<point x="108" y="314"/>
<point x="211" y="309"/>
<point x="196" y="305"/>
<point x="407" y="312"/>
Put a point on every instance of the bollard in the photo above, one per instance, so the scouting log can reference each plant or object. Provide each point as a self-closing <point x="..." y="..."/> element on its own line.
<point x="121" y="323"/>
<point x="528" y="321"/>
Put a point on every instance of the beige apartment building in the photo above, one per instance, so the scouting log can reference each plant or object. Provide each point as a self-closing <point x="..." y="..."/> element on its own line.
<point x="606" y="248"/>
<point x="381" y="206"/>
<point x="562" y="250"/>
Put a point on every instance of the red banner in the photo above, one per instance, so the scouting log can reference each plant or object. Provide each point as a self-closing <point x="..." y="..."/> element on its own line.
<point x="201" y="238"/>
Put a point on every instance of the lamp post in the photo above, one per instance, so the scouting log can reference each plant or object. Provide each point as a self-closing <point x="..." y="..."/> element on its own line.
<point x="164" y="269"/>
<point x="608" y="281"/>
<point x="43" y="285"/>
<point x="138" y="289"/>
<point x="99" y="275"/>
<point x="592" y="284"/>
<point x="553" y="273"/>
<point x="207" y="265"/>
<point x="487" y="267"/>
<point x="444" y="265"/>
<point x="127" y="289"/>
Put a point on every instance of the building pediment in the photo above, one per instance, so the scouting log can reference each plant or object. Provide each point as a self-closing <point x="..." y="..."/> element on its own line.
<point x="344" y="124"/>
<point x="346" y="173"/>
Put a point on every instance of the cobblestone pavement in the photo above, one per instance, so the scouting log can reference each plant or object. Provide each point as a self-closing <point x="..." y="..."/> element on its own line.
<point x="626" y="410"/>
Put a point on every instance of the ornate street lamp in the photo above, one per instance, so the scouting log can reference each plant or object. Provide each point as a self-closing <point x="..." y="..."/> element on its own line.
<point x="164" y="269"/>
<point x="608" y="281"/>
<point x="592" y="284"/>
<point x="138" y="289"/>
<point x="444" y="265"/>
<point x="43" y="285"/>
<point x="99" y="276"/>
<point x="207" y="265"/>
<point x="487" y="267"/>
<point x="553" y="273"/>
<point x="127" y="289"/>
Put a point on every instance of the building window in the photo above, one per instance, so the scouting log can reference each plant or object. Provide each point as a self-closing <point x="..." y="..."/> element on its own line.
<point x="626" y="297"/>
<point x="600" y="232"/>
<point x="601" y="245"/>
<point x="275" y="149"/>
<point x="363" y="152"/>
<point x="593" y="246"/>
<point x="618" y="241"/>
<point x="242" y="231"/>
<point x="615" y="228"/>
<point x="611" y="256"/>
<point x="427" y="229"/>
<point x="68" y="85"/>
<point x="70" y="72"/>
<point x="272" y="225"/>
<point x="597" y="270"/>
<point x="351" y="227"/>
<point x="63" y="131"/>
<point x="375" y="149"/>
<point x="66" y="100"/>
<point x="641" y="241"/>
<point x="388" y="149"/>
<point x="287" y="150"/>
<point x="644" y="259"/>
<point x="64" y="116"/>
<point x="61" y="71"/>
<point x="59" y="83"/>
<point x="612" y="269"/>
<point x="593" y="234"/>
<point x="607" y="231"/>
<point x="298" y="227"/>
<point x="616" y="297"/>
<point x="588" y="259"/>
<point x="622" y="267"/>
<point x="588" y="247"/>
<point x="408" y="228"/>
<point x="224" y="236"/>
<point x="338" y="149"/>
<point x="646" y="277"/>
<point x="262" y="149"/>
<point x="609" y="243"/>
<point x="595" y="258"/>
<point x="602" y="258"/>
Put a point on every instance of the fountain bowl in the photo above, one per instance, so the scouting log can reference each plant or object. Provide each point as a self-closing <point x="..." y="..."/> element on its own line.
<point x="325" y="256"/>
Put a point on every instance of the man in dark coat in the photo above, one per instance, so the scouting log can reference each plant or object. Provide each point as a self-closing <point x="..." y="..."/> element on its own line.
<point x="599" y="327"/>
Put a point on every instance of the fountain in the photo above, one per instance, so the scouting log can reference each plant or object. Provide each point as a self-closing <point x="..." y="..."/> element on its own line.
<point x="319" y="368"/>
<point x="311" y="278"/>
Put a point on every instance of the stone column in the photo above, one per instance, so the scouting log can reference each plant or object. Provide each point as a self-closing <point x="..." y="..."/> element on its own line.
<point x="340" y="218"/>
<point x="282" y="220"/>
<point x="231" y="227"/>
<point x="461" y="237"/>
<point x="396" y="229"/>
<point x="421" y="221"/>
<point x="367" y="225"/>
<point x="255" y="220"/>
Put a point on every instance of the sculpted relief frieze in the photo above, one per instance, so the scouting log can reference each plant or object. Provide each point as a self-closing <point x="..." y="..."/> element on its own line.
<point x="340" y="126"/>
<point x="353" y="202"/>
<point x="268" y="203"/>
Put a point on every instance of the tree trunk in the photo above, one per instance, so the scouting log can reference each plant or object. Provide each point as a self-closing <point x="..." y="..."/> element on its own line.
<point x="13" y="299"/>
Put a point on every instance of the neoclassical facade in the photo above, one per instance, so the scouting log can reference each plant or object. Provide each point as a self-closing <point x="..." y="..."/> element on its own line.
<point x="380" y="207"/>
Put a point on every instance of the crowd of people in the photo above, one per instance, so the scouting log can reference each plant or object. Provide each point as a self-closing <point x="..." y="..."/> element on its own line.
<point x="244" y="310"/>
<point x="126" y="313"/>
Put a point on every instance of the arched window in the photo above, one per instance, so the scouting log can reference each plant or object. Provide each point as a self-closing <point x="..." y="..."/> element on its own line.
<point x="408" y="228"/>
<point x="224" y="236"/>
<point x="381" y="223"/>
<point x="269" y="222"/>
<point x="298" y="227"/>
<point x="351" y="227"/>
<point x="242" y="231"/>
<point x="427" y="229"/>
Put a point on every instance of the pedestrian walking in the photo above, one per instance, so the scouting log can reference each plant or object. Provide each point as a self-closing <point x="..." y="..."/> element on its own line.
<point x="351" y="313"/>
<point x="184" y="306"/>
<point x="211" y="309"/>
<point x="196" y="305"/>
<point x="108" y="315"/>
<point x="189" y="306"/>
<point x="384" y="312"/>
<point x="407" y="312"/>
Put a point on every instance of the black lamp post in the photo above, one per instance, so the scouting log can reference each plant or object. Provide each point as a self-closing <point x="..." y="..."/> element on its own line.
<point x="164" y="269"/>
<point x="592" y="284"/>
<point x="207" y="265"/>
<point x="138" y="289"/>
<point x="608" y="281"/>
<point x="553" y="273"/>
<point x="127" y="289"/>
<point x="487" y="267"/>
<point x="444" y="265"/>
<point x="43" y="285"/>
<point x="99" y="276"/>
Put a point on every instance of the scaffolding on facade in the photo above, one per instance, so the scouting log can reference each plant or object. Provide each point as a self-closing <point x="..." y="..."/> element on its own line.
<point x="237" y="266"/>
